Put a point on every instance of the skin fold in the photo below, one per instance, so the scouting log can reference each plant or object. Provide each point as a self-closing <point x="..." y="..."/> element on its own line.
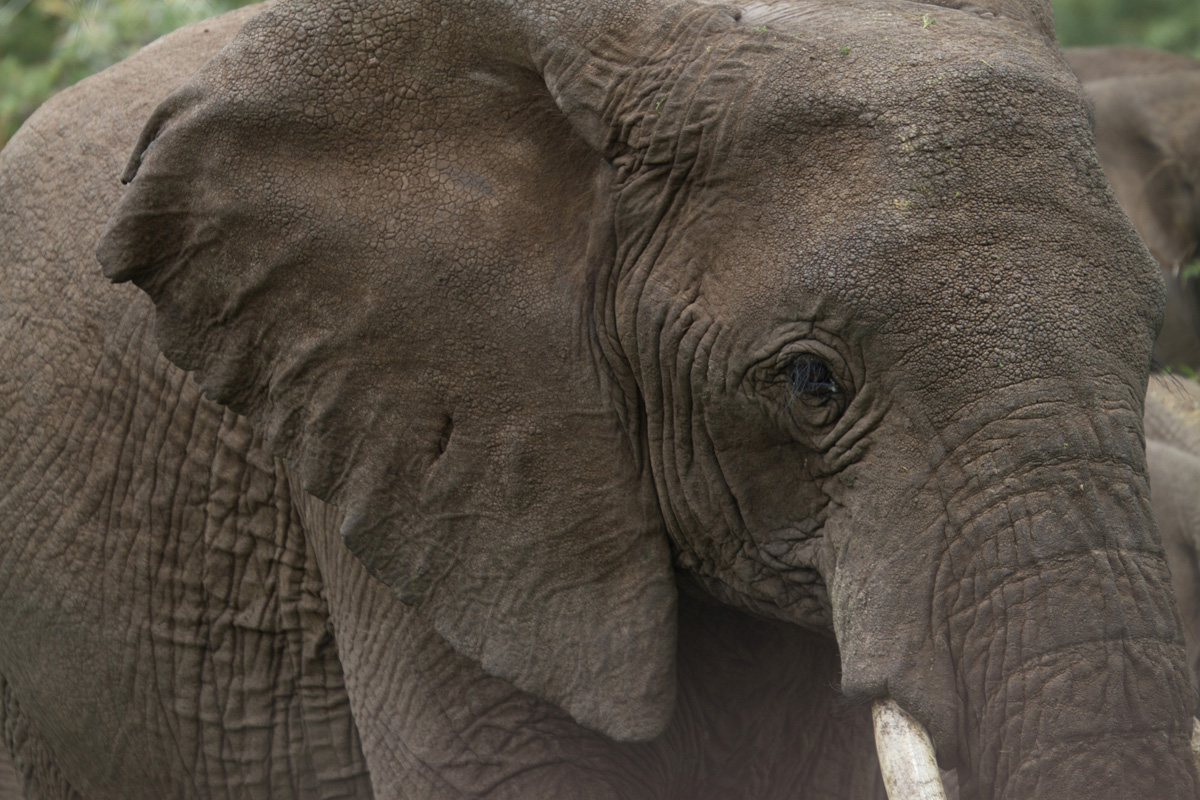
<point x="1147" y="111"/>
<point x="604" y="401"/>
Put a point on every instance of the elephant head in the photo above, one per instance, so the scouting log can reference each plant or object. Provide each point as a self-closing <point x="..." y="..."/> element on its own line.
<point x="794" y="305"/>
<point x="1148" y="138"/>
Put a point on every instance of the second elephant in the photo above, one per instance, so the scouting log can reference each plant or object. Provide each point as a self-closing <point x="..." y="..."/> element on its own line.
<point x="1147" y="112"/>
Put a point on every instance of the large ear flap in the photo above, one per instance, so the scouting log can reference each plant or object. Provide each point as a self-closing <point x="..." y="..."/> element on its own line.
<point x="374" y="231"/>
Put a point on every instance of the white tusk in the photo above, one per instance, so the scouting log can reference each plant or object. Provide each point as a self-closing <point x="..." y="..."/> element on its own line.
<point x="910" y="771"/>
<point x="1196" y="742"/>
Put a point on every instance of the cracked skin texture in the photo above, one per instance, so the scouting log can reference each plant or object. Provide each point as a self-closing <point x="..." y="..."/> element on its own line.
<point x="499" y="486"/>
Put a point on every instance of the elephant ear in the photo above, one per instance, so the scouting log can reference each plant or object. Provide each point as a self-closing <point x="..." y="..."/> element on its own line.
<point x="375" y="232"/>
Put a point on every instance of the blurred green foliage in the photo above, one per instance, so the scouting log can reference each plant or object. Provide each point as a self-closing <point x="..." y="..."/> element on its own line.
<point x="1161" y="24"/>
<point x="47" y="45"/>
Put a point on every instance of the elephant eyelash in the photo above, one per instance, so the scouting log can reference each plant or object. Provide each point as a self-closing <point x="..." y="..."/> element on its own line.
<point x="1167" y="374"/>
<point x="811" y="377"/>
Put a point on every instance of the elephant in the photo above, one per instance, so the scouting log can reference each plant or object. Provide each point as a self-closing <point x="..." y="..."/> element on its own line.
<point x="1147" y="112"/>
<point x="1092" y="64"/>
<point x="1173" y="460"/>
<point x="542" y="399"/>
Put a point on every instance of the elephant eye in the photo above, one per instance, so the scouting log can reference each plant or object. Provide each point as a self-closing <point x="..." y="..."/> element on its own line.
<point x="811" y="378"/>
<point x="813" y="391"/>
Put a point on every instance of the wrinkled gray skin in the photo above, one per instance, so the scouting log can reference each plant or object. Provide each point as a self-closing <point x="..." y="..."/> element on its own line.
<point x="620" y="390"/>
<point x="1147" y="107"/>
<point x="1173" y="459"/>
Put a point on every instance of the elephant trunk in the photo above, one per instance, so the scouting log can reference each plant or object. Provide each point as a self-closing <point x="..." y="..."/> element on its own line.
<point x="1070" y="656"/>
<point x="906" y="757"/>
<point x="1040" y="645"/>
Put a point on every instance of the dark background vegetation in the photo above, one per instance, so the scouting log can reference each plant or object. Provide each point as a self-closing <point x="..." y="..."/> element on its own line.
<point x="47" y="45"/>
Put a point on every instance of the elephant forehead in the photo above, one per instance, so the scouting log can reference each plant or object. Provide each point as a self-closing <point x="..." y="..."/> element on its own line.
<point x="873" y="121"/>
<point x="938" y="202"/>
<point x="1037" y="272"/>
<point x="878" y="42"/>
<point x="976" y="83"/>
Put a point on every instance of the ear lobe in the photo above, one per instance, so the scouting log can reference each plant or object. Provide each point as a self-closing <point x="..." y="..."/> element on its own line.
<point x="367" y="235"/>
